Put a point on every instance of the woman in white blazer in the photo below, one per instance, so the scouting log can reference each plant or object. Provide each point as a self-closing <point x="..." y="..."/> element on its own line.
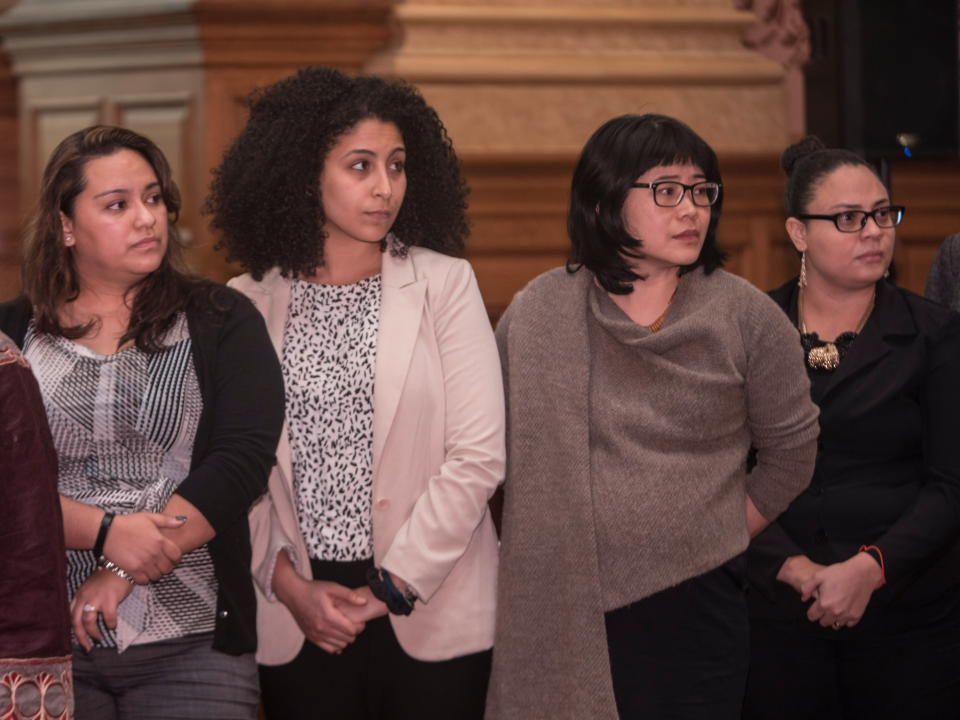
<point x="374" y="554"/>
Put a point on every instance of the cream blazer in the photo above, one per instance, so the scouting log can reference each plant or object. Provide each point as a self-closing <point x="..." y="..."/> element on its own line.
<point x="438" y="456"/>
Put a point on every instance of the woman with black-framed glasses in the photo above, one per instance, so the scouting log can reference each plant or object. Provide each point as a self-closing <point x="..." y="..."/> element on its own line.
<point x="855" y="599"/>
<point x="637" y="379"/>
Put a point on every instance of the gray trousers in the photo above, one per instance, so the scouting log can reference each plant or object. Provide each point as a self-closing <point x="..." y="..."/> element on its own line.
<point x="168" y="680"/>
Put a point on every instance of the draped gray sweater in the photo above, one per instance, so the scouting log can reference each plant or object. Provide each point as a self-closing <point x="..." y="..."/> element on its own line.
<point x="626" y="467"/>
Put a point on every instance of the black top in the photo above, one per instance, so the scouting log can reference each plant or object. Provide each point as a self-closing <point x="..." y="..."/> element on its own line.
<point x="888" y="460"/>
<point x="237" y="436"/>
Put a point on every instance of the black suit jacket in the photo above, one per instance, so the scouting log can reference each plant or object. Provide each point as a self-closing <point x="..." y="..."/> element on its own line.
<point x="888" y="460"/>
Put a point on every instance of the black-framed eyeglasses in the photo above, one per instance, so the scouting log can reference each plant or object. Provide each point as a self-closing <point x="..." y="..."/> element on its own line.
<point x="670" y="193"/>
<point x="851" y="221"/>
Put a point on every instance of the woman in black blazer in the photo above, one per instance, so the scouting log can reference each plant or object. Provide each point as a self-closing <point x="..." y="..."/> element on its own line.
<point x="854" y="601"/>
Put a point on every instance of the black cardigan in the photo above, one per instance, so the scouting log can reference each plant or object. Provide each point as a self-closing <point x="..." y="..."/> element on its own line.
<point x="233" y="452"/>
<point x="888" y="460"/>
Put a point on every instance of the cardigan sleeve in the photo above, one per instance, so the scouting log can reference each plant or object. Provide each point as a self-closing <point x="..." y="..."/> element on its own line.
<point x="448" y="512"/>
<point x="932" y="523"/>
<point x="781" y="417"/>
<point x="241" y="381"/>
<point x="944" y="276"/>
<point x="767" y="553"/>
<point x="503" y="348"/>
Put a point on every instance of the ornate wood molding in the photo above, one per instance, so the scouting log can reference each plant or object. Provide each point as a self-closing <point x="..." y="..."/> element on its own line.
<point x="63" y="37"/>
<point x="574" y="44"/>
<point x="291" y="33"/>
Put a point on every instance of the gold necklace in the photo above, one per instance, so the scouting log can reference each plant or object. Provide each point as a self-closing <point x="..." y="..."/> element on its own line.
<point x="658" y="323"/>
<point x="827" y="357"/>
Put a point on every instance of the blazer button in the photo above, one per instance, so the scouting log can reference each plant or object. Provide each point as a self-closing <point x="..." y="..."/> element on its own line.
<point x="821" y="536"/>
<point x="383" y="504"/>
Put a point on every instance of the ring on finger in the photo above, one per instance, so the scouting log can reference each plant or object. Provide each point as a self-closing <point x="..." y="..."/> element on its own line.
<point x="836" y="626"/>
<point x="90" y="608"/>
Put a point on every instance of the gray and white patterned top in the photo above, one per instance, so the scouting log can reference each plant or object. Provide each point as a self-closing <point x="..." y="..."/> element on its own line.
<point x="329" y="355"/>
<point x="124" y="426"/>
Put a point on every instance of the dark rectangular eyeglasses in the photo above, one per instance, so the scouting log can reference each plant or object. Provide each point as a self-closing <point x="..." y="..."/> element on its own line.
<point x="670" y="193"/>
<point x="851" y="221"/>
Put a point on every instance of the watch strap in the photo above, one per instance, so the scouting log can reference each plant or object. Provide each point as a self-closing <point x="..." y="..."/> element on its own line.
<point x="102" y="535"/>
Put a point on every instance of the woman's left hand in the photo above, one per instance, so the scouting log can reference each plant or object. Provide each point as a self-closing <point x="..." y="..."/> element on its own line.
<point x="842" y="591"/>
<point x="363" y="613"/>
<point x="103" y="590"/>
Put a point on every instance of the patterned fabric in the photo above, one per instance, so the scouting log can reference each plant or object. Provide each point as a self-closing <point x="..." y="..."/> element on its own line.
<point x="329" y="354"/>
<point x="124" y="426"/>
<point x="9" y="353"/>
<point x="38" y="689"/>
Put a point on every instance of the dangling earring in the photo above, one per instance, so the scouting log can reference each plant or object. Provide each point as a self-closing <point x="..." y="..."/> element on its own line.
<point x="803" y="270"/>
<point x="886" y="273"/>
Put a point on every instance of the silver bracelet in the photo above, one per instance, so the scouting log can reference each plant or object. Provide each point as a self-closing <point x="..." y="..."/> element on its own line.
<point x="116" y="569"/>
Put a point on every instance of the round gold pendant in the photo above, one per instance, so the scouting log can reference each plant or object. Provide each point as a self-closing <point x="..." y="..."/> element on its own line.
<point x="824" y="358"/>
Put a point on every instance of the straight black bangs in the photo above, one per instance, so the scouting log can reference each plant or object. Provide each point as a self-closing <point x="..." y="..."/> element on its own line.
<point x="619" y="152"/>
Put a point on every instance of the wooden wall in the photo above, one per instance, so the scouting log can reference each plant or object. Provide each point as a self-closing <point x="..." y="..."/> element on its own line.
<point x="188" y="93"/>
<point x="930" y="190"/>
<point x="518" y="208"/>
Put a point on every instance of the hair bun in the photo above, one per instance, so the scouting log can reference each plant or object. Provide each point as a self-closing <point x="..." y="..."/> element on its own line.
<point x="799" y="150"/>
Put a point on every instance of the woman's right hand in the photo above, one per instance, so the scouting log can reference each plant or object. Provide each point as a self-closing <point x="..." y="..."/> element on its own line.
<point x="796" y="570"/>
<point x="103" y="592"/>
<point x="313" y="604"/>
<point x="134" y="542"/>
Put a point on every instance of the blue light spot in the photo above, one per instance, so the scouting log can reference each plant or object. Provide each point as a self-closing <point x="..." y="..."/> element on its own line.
<point x="906" y="151"/>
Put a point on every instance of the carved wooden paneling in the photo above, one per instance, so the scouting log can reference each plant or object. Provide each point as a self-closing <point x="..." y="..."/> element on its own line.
<point x="930" y="190"/>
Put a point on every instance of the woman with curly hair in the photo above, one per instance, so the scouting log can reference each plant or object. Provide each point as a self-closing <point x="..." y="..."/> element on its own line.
<point x="343" y="200"/>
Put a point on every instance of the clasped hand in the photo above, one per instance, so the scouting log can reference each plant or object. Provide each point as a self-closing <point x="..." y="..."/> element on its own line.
<point x="331" y="615"/>
<point x="136" y="544"/>
<point x="840" y="591"/>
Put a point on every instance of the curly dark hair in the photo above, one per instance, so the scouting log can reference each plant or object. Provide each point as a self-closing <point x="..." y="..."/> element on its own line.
<point x="265" y="196"/>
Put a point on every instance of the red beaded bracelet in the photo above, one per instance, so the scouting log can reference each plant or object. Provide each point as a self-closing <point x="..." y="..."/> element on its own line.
<point x="879" y="556"/>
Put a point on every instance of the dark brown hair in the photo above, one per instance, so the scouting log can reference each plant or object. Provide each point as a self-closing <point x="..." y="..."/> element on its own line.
<point x="807" y="163"/>
<point x="48" y="276"/>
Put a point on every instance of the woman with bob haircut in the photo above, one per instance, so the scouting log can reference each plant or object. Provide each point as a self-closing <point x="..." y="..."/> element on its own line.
<point x="637" y="379"/>
<point x="165" y="403"/>
<point x="855" y="589"/>
<point x="374" y="552"/>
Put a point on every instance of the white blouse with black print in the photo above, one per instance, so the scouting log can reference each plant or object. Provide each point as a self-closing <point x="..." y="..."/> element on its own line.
<point x="329" y="357"/>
